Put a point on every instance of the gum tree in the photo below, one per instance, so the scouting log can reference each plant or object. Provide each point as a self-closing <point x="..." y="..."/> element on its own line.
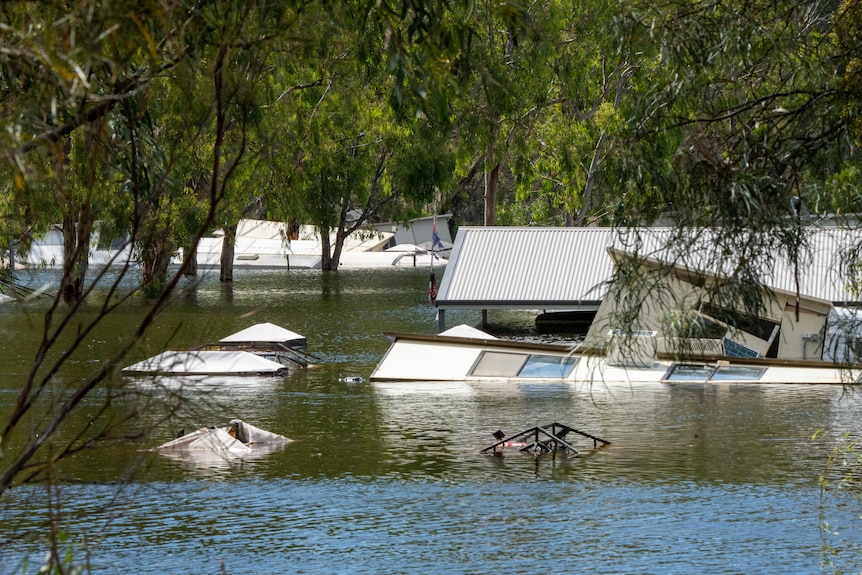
<point x="558" y="165"/>
<point x="140" y="172"/>
<point x="355" y="146"/>
<point x="122" y="80"/>
<point x="738" y="124"/>
<point x="63" y="71"/>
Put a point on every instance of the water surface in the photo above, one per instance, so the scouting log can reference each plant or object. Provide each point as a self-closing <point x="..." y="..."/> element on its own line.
<point x="387" y="478"/>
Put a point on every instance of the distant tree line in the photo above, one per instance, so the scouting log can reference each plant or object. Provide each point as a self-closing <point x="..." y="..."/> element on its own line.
<point x="164" y="121"/>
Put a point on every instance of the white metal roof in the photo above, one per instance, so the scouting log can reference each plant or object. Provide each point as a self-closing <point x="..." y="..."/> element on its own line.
<point x="205" y="438"/>
<point x="519" y="267"/>
<point x="236" y="437"/>
<point x="566" y="268"/>
<point x="465" y="330"/>
<point x="206" y="363"/>
<point x="263" y="333"/>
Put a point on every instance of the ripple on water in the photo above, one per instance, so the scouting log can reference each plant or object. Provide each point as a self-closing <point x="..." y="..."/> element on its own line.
<point x="392" y="526"/>
<point x="388" y="478"/>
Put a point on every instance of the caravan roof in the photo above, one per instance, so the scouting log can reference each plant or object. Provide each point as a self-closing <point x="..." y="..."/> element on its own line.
<point x="265" y="333"/>
<point x="206" y="363"/>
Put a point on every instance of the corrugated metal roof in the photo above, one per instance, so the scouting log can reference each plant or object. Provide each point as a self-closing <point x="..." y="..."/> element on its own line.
<point x="566" y="268"/>
<point x="822" y="272"/>
<point x="525" y="267"/>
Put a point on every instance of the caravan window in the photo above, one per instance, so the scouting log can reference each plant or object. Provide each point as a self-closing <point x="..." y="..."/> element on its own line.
<point x="504" y="364"/>
<point x="738" y="373"/>
<point x="685" y="372"/>
<point x="548" y="366"/>
<point x="499" y="364"/>
<point x="688" y="372"/>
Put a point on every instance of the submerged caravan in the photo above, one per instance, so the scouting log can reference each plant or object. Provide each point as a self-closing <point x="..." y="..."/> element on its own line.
<point x="448" y="357"/>
<point x="683" y="333"/>
<point x="262" y="349"/>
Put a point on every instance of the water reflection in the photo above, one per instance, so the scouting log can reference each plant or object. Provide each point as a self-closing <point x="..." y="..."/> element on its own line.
<point x="209" y="386"/>
<point x="717" y="433"/>
<point x="220" y="463"/>
<point x="387" y="477"/>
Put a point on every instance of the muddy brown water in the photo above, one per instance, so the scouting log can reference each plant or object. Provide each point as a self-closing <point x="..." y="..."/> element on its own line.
<point x="387" y="478"/>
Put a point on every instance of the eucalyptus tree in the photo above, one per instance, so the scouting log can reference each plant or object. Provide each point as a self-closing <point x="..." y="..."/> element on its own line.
<point x="351" y="152"/>
<point x="64" y="68"/>
<point x="142" y="112"/>
<point x="737" y="120"/>
<point x="237" y="57"/>
<point x="95" y="103"/>
<point x="502" y="91"/>
<point x="585" y="70"/>
<point x="357" y="164"/>
<point x="543" y="104"/>
<point x="842" y="189"/>
<point x="752" y="123"/>
<point x="746" y="100"/>
<point x="122" y="80"/>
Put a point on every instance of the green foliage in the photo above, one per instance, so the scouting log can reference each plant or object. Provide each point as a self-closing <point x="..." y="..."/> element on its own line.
<point x="164" y="120"/>
<point x="566" y="79"/>
<point x="431" y="47"/>
<point x="839" y="483"/>
<point x="742" y="109"/>
<point x="737" y="112"/>
<point x="340" y="144"/>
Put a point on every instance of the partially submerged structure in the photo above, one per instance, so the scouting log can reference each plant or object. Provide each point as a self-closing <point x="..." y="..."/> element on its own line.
<point x="206" y="363"/>
<point x="678" y="316"/>
<point x="543" y="439"/>
<point x="219" y="443"/>
<point x="262" y="244"/>
<point x="262" y="349"/>
<point x="446" y="358"/>
<point x="679" y="329"/>
<point x="567" y="270"/>
<point x="47" y="250"/>
<point x="548" y="269"/>
<point x="418" y="231"/>
<point x="267" y="340"/>
<point x="259" y="244"/>
<point x="236" y="436"/>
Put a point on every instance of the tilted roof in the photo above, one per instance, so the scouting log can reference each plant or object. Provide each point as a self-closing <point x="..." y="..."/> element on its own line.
<point x="567" y="268"/>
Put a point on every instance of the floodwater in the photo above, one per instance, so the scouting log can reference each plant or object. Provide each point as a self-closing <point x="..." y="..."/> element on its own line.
<point x="388" y="478"/>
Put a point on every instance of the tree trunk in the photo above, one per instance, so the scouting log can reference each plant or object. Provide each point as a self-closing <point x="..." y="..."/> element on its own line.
<point x="293" y="229"/>
<point x="76" y="254"/>
<point x="191" y="260"/>
<point x="325" y="250"/>
<point x="492" y="176"/>
<point x="11" y="249"/>
<point x="339" y="246"/>
<point x="228" y="248"/>
<point x="590" y="183"/>
<point x="155" y="272"/>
